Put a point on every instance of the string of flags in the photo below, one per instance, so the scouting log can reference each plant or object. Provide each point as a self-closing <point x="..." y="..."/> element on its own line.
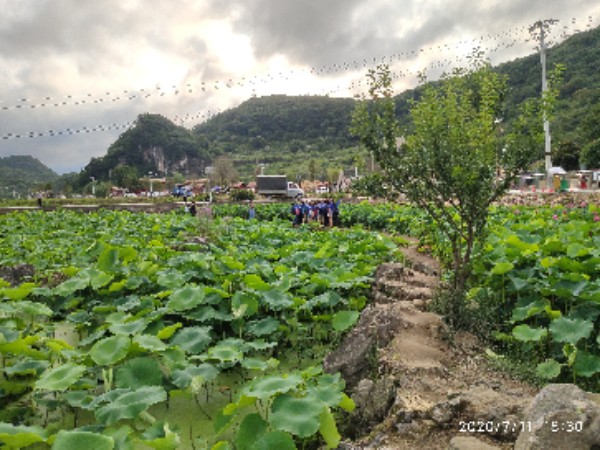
<point x="488" y="44"/>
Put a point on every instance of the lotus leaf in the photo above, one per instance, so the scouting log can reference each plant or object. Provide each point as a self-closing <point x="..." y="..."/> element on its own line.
<point x="277" y="300"/>
<point x="192" y="339"/>
<point x="275" y="439"/>
<point x="586" y="364"/>
<point x="183" y="377"/>
<point x="138" y="372"/>
<point x="61" y="377"/>
<point x="129" y="328"/>
<point x="129" y="404"/>
<point x="254" y="364"/>
<point x="244" y="304"/>
<point x="149" y="342"/>
<point x="568" y="330"/>
<point x="266" y="387"/>
<point x="252" y="427"/>
<point x="502" y="267"/>
<point x="263" y="327"/>
<point x="186" y="298"/>
<point x="549" y="369"/>
<point x="225" y="353"/>
<point x="110" y="350"/>
<point x="20" y="436"/>
<point x="27" y="367"/>
<point x="299" y="416"/>
<point x="525" y="333"/>
<point x="169" y="331"/>
<point x="17" y="293"/>
<point x="254" y="281"/>
<point x="342" y="320"/>
<point x="78" y="440"/>
<point x="328" y="429"/>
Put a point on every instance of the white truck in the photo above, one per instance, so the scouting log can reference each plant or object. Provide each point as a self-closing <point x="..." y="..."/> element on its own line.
<point x="277" y="186"/>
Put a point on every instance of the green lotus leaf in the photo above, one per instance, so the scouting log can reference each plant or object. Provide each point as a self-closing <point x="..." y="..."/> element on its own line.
<point x="254" y="364"/>
<point x="138" y="372"/>
<point x="129" y="328"/>
<point x="586" y="364"/>
<point x="525" y="333"/>
<point x="568" y="330"/>
<point x="186" y="298"/>
<point x="27" y="367"/>
<point x="60" y="378"/>
<point x="78" y="440"/>
<point x="169" y="331"/>
<point x="328" y="299"/>
<point x="149" y="342"/>
<point x="171" y="279"/>
<point x="110" y="350"/>
<point x="252" y="427"/>
<point x="549" y="369"/>
<point x="70" y="286"/>
<point x="95" y="278"/>
<point x="327" y="390"/>
<point x="244" y="304"/>
<point x="192" y="339"/>
<point x="299" y="416"/>
<point x="277" y="300"/>
<point x="225" y="353"/>
<point x="342" y="320"/>
<point x="128" y="405"/>
<point x="108" y="261"/>
<point x="19" y="292"/>
<point x="275" y="439"/>
<point x="254" y="281"/>
<point x="527" y="308"/>
<point x="20" y="436"/>
<point x="328" y="429"/>
<point x="263" y="327"/>
<point x="502" y="267"/>
<point x="183" y="377"/>
<point x="576" y="250"/>
<point x="265" y="387"/>
<point x="569" y="289"/>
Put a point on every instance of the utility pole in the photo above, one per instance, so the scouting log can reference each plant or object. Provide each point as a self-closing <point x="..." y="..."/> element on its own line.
<point x="538" y="31"/>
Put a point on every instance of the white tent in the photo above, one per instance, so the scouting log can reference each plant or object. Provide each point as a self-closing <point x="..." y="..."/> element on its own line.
<point x="556" y="171"/>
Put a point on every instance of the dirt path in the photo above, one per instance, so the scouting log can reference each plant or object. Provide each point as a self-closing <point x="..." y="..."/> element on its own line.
<point x="428" y="385"/>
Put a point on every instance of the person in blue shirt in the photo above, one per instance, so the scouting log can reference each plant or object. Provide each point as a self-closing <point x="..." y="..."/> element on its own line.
<point x="251" y="211"/>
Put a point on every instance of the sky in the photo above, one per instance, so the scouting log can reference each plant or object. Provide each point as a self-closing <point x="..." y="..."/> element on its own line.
<point x="75" y="74"/>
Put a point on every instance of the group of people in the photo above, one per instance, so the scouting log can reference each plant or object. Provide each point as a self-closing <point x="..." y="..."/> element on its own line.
<point x="326" y="212"/>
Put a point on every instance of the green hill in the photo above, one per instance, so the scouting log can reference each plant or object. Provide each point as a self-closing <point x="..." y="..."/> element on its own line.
<point x="23" y="175"/>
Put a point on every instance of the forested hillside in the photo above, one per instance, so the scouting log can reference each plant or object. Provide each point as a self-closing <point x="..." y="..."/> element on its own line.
<point x="22" y="175"/>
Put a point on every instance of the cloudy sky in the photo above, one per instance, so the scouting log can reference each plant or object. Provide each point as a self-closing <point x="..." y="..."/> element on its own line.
<point x="76" y="73"/>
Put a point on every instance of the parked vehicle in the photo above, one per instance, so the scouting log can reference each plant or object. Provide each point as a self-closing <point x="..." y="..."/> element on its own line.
<point x="277" y="186"/>
<point x="181" y="190"/>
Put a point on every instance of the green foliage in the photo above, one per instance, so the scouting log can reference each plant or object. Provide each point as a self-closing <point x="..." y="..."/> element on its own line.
<point x="145" y="317"/>
<point x="449" y="163"/>
<point x="23" y="175"/>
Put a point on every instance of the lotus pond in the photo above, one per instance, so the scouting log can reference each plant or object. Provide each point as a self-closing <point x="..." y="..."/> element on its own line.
<point x="167" y="331"/>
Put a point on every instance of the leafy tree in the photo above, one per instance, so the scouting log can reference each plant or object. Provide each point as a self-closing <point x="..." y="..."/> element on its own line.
<point x="448" y="164"/>
<point x="566" y="155"/>
<point x="590" y="156"/>
<point x="224" y="172"/>
<point x="127" y="177"/>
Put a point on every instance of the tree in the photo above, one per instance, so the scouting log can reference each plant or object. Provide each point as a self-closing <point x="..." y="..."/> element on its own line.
<point x="224" y="172"/>
<point x="590" y="156"/>
<point x="449" y="162"/>
<point x="127" y="177"/>
<point x="566" y="155"/>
